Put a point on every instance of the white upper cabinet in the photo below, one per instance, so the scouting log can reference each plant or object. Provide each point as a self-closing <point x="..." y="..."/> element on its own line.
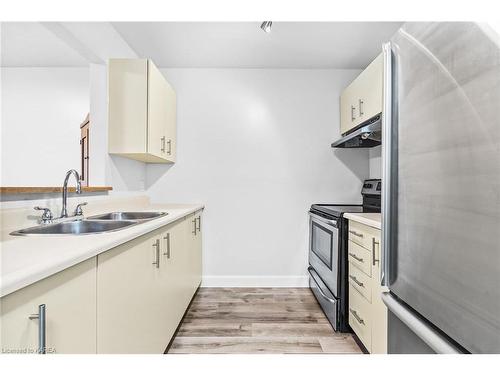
<point x="142" y="112"/>
<point x="362" y="99"/>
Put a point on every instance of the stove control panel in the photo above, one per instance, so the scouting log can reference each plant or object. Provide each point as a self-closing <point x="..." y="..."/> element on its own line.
<point x="372" y="187"/>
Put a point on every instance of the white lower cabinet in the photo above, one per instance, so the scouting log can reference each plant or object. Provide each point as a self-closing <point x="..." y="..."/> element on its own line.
<point x="367" y="312"/>
<point x="143" y="289"/>
<point x="129" y="299"/>
<point x="69" y="299"/>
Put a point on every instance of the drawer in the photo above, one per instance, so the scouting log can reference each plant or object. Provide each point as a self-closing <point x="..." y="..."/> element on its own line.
<point x="360" y="257"/>
<point x="359" y="317"/>
<point x="327" y="301"/>
<point x="362" y="234"/>
<point x="360" y="281"/>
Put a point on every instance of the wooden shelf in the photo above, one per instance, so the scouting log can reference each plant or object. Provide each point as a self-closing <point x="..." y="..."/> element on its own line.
<point x="50" y="189"/>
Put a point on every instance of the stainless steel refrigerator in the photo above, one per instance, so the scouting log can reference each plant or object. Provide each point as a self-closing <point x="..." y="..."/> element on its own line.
<point x="441" y="198"/>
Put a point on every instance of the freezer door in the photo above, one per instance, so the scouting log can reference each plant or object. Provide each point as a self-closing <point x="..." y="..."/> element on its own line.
<point x="444" y="260"/>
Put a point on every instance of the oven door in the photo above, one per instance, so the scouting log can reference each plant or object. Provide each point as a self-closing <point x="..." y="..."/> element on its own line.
<point x="324" y="250"/>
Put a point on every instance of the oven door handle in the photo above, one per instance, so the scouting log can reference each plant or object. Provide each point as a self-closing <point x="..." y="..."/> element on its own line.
<point x="312" y="272"/>
<point x="333" y="223"/>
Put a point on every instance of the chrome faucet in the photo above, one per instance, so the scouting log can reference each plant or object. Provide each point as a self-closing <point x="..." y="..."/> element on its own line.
<point x="64" y="211"/>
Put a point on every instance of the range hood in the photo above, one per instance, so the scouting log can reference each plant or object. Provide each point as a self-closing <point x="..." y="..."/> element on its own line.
<point x="368" y="134"/>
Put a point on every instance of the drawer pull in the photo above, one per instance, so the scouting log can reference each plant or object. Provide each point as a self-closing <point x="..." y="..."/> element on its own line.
<point x="356" y="316"/>
<point x="357" y="258"/>
<point x="374" y="242"/>
<point x="356" y="233"/>
<point x="353" y="278"/>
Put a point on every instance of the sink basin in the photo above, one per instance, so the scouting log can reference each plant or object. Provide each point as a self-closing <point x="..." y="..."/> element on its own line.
<point x="129" y="216"/>
<point x="76" y="227"/>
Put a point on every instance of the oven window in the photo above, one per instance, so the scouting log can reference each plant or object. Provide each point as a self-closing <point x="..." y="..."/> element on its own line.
<point x="322" y="243"/>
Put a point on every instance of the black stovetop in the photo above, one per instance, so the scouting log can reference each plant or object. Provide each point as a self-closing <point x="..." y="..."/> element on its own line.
<point x="337" y="210"/>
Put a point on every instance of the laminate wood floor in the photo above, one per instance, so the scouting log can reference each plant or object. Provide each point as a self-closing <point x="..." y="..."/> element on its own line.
<point x="258" y="320"/>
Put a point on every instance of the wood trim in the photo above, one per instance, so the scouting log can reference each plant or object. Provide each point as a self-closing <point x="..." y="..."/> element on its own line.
<point x="49" y="189"/>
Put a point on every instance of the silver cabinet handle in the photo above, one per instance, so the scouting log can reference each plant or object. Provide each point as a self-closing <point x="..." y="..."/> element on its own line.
<point x="194" y="230"/>
<point x="162" y="144"/>
<point x="41" y="328"/>
<point x="167" y="237"/>
<point x="199" y="223"/>
<point x="169" y="151"/>
<point x="157" y="246"/>
<point x="353" y="278"/>
<point x="352" y="113"/>
<point x="374" y="242"/>
<point x="356" y="233"/>
<point x="361" y="108"/>
<point x="358" y="318"/>
<point x="357" y="258"/>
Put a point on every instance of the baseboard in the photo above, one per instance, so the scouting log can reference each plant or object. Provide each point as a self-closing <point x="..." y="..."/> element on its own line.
<point x="255" y="281"/>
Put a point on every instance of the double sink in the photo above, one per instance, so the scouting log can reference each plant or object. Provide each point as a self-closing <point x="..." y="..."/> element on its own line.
<point x="104" y="223"/>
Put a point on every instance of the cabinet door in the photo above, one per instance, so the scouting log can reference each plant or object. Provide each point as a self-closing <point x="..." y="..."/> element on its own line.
<point x="130" y="305"/>
<point x="347" y="110"/>
<point x="368" y="96"/>
<point x="161" y="115"/>
<point x="127" y="106"/>
<point x="175" y="263"/>
<point x="70" y="304"/>
<point x="196" y="252"/>
<point x="194" y="239"/>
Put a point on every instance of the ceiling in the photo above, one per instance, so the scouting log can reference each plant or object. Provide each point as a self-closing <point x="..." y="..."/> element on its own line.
<point x="350" y="45"/>
<point x="32" y="44"/>
<point x="245" y="45"/>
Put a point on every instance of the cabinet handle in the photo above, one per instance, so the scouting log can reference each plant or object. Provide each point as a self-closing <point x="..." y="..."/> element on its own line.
<point x="353" y="278"/>
<point x="356" y="257"/>
<point x="355" y="314"/>
<point x="41" y="328"/>
<point x="167" y="237"/>
<point x="157" y="246"/>
<point x="361" y="108"/>
<point x="194" y="222"/>
<point x="169" y="151"/>
<point x="356" y="233"/>
<point x="163" y="144"/>
<point x="374" y="242"/>
<point x="352" y="113"/>
<point x="199" y="223"/>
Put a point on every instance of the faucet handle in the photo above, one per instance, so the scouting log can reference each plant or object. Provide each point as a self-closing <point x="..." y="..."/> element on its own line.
<point x="46" y="215"/>
<point x="78" y="209"/>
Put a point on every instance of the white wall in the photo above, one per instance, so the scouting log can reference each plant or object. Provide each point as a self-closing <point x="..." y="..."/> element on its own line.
<point x="375" y="156"/>
<point x="254" y="147"/>
<point x="42" y="109"/>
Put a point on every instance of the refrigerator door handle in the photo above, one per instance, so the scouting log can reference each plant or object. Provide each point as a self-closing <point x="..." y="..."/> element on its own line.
<point x="386" y="165"/>
<point x="429" y="335"/>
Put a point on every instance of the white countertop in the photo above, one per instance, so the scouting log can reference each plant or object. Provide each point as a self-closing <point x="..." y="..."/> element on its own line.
<point x="369" y="218"/>
<point x="28" y="259"/>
